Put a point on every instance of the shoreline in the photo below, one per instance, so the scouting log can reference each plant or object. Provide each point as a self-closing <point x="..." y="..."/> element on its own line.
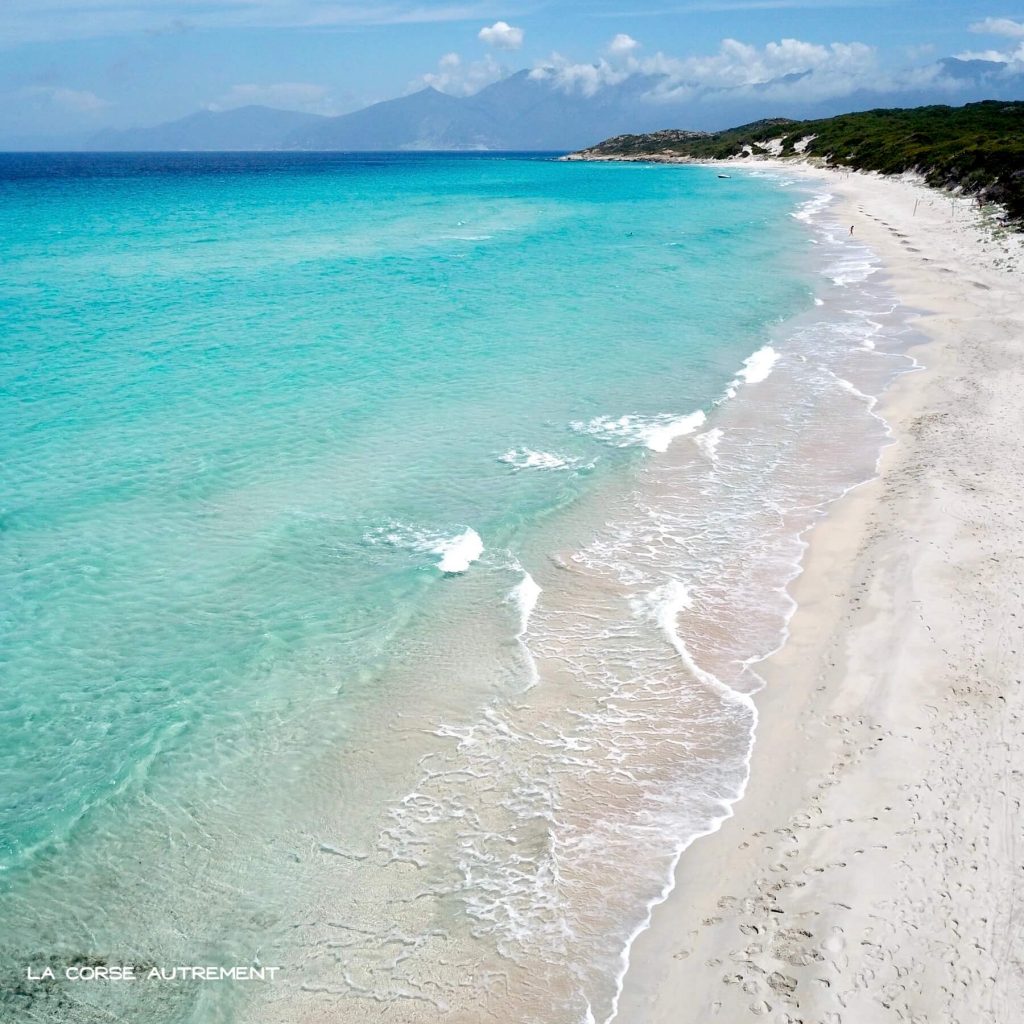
<point x="816" y="899"/>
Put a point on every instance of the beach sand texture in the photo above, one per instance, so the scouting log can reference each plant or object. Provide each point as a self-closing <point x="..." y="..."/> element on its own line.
<point x="873" y="870"/>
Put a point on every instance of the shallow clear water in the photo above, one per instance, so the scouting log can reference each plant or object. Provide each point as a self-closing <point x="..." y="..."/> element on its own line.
<point x="253" y="409"/>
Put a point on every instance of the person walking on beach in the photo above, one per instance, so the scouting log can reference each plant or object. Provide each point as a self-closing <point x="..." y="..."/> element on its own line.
<point x="851" y="230"/>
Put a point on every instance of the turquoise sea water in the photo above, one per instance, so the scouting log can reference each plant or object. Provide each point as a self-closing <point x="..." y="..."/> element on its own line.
<point x="252" y="407"/>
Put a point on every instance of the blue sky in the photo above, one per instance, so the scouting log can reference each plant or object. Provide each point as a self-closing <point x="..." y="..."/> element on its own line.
<point x="78" y="65"/>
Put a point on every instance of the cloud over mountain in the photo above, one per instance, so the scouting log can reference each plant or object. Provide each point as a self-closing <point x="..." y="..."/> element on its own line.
<point x="463" y="78"/>
<point x="1006" y="28"/>
<point x="736" y="65"/>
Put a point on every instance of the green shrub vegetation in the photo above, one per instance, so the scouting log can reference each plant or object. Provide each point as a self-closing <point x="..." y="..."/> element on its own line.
<point x="977" y="148"/>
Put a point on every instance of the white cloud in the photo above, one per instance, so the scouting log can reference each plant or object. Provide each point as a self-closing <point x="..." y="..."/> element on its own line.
<point x="585" y="79"/>
<point x="459" y="78"/>
<point x="788" y="69"/>
<point x="588" y="78"/>
<point x="739" y="64"/>
<point x="74" y="101"/>
<point x="736" y="65"/>
<point x="1010" y="30"/>
<point x="285" y="95"/>
<point x="502" y="36"/>
<point x="1014" y="59"/>
<point x="999" y="27"/>
<point x="622" y="44"/>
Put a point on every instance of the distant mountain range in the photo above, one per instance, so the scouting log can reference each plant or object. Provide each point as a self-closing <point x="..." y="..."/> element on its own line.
<point x="526" y="112"/>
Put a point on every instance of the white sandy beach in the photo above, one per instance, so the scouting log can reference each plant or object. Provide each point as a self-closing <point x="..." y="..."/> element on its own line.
<point x="873" y="871"/>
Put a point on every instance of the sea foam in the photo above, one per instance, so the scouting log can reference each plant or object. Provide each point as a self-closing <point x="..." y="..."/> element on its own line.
<point x="460" y="552"/>
<point x="457" y="551"/>
<point x="527" y="458"/>
<point x="525" y="594"/>
<point x="757" y="367"/>
<point x="708" y="443"/>
<point x="808" y="211"/>
<point x="655" y="433"/>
